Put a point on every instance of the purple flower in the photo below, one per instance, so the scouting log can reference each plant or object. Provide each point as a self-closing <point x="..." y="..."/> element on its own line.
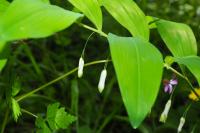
<point x="168" y="85"/>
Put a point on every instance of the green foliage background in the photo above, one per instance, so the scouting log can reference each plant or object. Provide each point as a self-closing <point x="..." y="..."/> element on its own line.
<point x="97" y="113"/>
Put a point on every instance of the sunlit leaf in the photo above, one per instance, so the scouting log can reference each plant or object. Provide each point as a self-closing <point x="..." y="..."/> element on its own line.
<point x="192" y="63"/>
<point x="3" y="6"/>
<point x="91" y="9"/>
<point x="128" y="14"/>
<point x="151" y="22"/>
<point x="35" y="19"/>
<point x="138" y="65"/>
<point x="178" y="37"/>
<point x="16" y="109"/>
<point x="46" y="1"/>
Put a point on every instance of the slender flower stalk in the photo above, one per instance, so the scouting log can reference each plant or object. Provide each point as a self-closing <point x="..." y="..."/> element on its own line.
<point x="102" y="80"/>
<point x="80" y="67"/>
<point x="164" y="114"/>
<point x="181" y="124"/>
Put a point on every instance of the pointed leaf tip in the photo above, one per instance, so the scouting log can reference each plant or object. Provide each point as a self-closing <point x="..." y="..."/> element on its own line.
<point x="135" y="61"/>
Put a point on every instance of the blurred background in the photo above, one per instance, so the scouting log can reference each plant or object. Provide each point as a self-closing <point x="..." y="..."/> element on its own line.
<point x="45" y="59"/>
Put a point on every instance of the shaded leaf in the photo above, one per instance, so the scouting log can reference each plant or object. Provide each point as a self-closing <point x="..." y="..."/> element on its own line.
<point x="138" y="65"/>
<point x="178" y="37"/>
<point x="58" y="118"/>
<point x="16" y="87"/>
<point x="2" y="63"/>
<point x="35" y="19"/>
<point x="128" y="14"/>
<point x="51" y="114"/>
<point x="91" y="9"/>
<point x="192" y="63"/>
<point x="63" y="119"/>
<point x="41" y="125"/>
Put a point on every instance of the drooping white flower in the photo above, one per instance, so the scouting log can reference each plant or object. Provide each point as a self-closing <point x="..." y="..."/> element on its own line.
<point x="80" y="67"/>
<point x="102" y="80"/>
<point x="181" y="124"/>
<point x="164" y="114"/>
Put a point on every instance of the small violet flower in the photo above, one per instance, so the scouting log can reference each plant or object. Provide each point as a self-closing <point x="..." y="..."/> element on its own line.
<point x="80" y="67"/>
<point x="181" y="124"/>
<point x="168" y="84"/>
<point x="102" y="80"/>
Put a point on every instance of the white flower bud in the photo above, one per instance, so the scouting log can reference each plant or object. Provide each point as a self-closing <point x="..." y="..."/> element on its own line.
<point x="181" y="124"/>
<point x="164" y="114"/>
<point x="102" y="80"/>
<point x="80" y="67"/>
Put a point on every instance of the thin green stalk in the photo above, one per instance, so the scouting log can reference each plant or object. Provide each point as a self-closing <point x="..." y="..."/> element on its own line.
<point x="33" y="61"/>
<point x="93" y="29"/>
<point x="187" y="109"/>
<point x="83" y="52"/>
<point x="5" y="120"/>
<point x="29" y="113"/>
<point x="106" y="96"/>
<point x="107" y="120"/>
<point x="57" y="79"/>
<point x="184" y="77"/>
<point x="194" y="128"/>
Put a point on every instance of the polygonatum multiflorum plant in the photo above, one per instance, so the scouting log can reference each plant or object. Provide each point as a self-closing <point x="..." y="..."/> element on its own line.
<point x="136" y="60"/>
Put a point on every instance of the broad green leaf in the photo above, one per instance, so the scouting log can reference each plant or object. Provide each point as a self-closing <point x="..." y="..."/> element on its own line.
<point x="129" y="15"/>
<point x="16" y="109"/>
<point x="178" y="37"/>
<point x="46" y="1"/>
<point x="58" y="118"/>
<point x="192" y="63"/>
<point x="35" y="19"/>
<point x="3" y="6"/>
<point x="91" y="9"/>
<point x="138" y="65"/>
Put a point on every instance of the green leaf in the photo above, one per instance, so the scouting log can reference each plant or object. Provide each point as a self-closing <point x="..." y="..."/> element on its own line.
<point x="129" y="15"/>
<point x="16" y="87"/>
<point x="51" y="114"/>
<point x="91" y="9"/>
<point x="4" y="53"/>
<point x="139" y="66"/>
<point x="192" y="63"/>
<point x="63" y="119"/>
<point x="35" y="19"/>
<point x="178" y="37"/>
<point x="2" y="63"/>
<point x="46" y="1"/>
<point x="3" y="6"/>
<point x="41" y="125"/>
<point x="58" y="118"/>
<point x="16" y="109"/>
<point x="151" y="22"/>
